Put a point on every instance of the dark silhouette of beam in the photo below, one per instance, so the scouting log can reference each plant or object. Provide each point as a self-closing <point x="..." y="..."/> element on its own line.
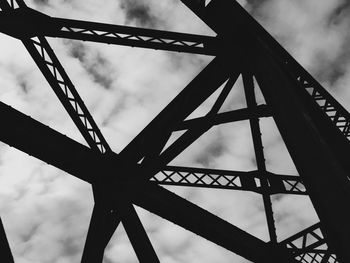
<point x="322" y="172"/>
<point x="80" y="161"/>
<point x="308" y="245"/>
<point x="103" y="223"/>
<point x="225" y="117"/>
<point x="197" y="220"/>
<point x="46" y="144"/>
<point x="317" y="146"/>
<point x="227" y="179"/>
<point x="194" y="94"/>
<point x="191" y="135"/>
<point x="25" y="22"/>
<point x="314" y="126"/>
<point x="137" y="235"/>
<point x="310" y="237"/>
<point x="248" y="83"/>
<point x="63" y="87"/>
<point x="134" y="37"/>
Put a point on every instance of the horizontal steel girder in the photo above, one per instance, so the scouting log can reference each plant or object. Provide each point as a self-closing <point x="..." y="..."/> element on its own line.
<point x="226" y="179"/>
<point x="56" y="149"/>
<point x="225" y="117"/>
<point x="25" y="23"/>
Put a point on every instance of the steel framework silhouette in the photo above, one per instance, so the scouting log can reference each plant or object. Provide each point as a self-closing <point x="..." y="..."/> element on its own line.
<point x="313" y="125"/>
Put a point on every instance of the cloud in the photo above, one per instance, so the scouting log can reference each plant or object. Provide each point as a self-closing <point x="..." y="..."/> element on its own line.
<point x="138" y="12"/>
<point x="46" y="212"/>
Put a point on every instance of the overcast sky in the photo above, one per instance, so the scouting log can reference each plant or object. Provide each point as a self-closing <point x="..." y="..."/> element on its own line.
<point x="46" y="212"/>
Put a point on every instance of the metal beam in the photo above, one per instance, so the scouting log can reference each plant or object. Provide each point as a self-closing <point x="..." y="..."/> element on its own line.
<point x="317" y="147"/>
<point x="193" y="95"/>
<point x="308" y="245"/>
<point x="68" y="155"/>
<point x="226" y="117"/>
<point x="134" y="37"/>
<point x="103" y="223"/>
<point x="189" y="136"/>
<point x="48" y="145"/>
<point x="248" y="83"/>
<point x="26" y="23"/>
<point x="231" y="180"/>
<point x="197" y="220"/>
<point x="137" y="234"/>
<point x="63" y="87"/>
<point x="312" y="154"/>
<point x="310" y="237"/>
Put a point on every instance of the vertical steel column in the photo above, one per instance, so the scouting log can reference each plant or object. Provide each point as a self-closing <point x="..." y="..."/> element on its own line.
<point x="248" y="84"/>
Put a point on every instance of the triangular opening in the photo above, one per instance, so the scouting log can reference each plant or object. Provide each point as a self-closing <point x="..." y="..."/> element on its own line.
<point x="174" y="244"/>
<point x="206" y="106"/>
<point x="236" y="98"/>
<point x="225" y="146"/>
<point x="30" y="93"/>
<point x="292" y="214"/>
<point x="119" y="248"/>
<point x="40" y="208"/>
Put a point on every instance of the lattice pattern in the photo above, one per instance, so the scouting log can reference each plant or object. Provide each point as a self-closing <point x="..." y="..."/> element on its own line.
<point x="70" y="94"/>
<point x="248" y="181"/>
<point x="309" y="246"/>
<point x="317" y="257"/>
<point x="13" y="4"/>
<point x="135" y="37"/>
<point x="333" y="110"/>
<point x="124" y="35"/>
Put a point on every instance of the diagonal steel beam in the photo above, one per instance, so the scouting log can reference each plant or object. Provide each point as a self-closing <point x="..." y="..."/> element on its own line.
<point x="311" y="152"/>
<point x="16" y="23"/>
<point x="63" y="87"/>
<point x="137" y="234"/>
<point x="80" y="161"/>
<point x="103" y="223"/>
<point x="190" y="135"/>
<point x="226" y="117"/>
<point x="306" y="245"/>
<point x="317" y="147"/>
<point x="194" y="94"/>
<point x="47" y="144"/>
<point x="306" y="239"/>
<point x="197" y="220"/>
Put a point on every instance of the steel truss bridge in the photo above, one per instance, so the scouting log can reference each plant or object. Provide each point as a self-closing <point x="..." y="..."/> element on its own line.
<point x="313" y="125"/>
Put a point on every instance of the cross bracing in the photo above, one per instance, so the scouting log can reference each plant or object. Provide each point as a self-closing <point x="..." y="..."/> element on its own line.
<point x="247" y="50"/>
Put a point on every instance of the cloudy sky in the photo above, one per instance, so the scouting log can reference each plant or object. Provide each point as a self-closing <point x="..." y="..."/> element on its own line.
<point x="46" y="212"/>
